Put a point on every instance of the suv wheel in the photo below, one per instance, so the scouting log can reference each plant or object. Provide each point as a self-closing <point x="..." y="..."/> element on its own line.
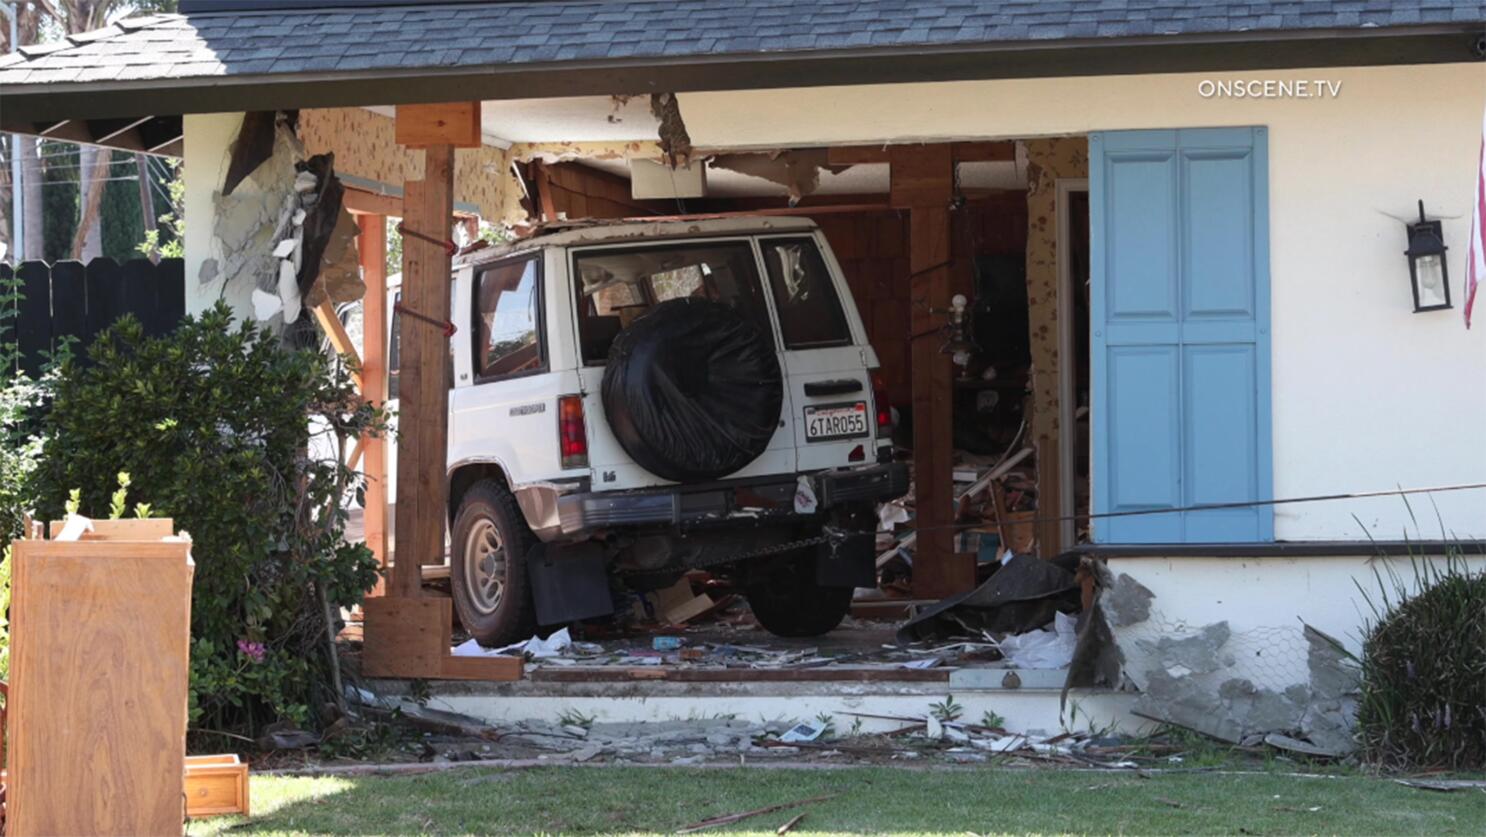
<point x="787" y="601"/>
<point x="492" y="594"/>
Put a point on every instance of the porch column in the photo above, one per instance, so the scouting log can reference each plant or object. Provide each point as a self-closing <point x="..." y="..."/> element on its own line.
<point x="922" y="181"/>
<point x="372" y="246"/>
<point x="406" y="633"/>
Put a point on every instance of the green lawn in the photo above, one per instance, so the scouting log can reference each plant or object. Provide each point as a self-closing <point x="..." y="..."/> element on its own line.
<point x="985" y="800"/>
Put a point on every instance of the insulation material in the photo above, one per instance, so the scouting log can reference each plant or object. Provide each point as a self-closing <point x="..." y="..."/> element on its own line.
<point x="675" y="142"/>
<point x="797" y="171"/>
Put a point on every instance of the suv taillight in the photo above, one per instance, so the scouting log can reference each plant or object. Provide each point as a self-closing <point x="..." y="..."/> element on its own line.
<point x="571" y="435"/>
<point x="880" y="403"/>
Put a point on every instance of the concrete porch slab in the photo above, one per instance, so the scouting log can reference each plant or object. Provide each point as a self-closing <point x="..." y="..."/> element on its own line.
<point x="1028" y="709"/>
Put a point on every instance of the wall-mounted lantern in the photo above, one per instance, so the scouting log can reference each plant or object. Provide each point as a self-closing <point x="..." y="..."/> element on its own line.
<point x="1427" y="271"/>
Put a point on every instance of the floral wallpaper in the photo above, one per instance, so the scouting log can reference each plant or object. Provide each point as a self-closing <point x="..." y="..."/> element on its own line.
<point x="364" y="146"/>
<point x="1048" y="159"/>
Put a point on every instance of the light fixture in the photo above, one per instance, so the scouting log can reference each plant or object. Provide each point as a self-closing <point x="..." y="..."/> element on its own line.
<point x="1427" y="272"/>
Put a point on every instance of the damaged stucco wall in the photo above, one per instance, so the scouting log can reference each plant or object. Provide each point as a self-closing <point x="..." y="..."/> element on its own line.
<point x="230" y="243"/>
<point x="1247" y="649"/>
<point x="365" y="146"/>
<point x="1048" y="160"/>
<point x="248" y="249"/>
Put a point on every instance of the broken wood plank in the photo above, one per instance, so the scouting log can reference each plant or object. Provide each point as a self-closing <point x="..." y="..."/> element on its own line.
<point x="620" y="674"/>
<point x="362" y="202"/>
<point x="729" y="819"/>
<point x="335" y="331"/>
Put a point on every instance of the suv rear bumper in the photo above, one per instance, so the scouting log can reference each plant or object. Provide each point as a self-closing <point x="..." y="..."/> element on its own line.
<point x="749" y="502"/>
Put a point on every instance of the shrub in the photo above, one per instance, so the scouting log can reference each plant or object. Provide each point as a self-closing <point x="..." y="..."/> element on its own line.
<point x="1423" y="701"/>
<point x="212" y="424"/>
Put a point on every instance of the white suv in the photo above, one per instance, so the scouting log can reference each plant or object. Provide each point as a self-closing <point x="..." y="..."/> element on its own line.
<point x="631" y="401"/>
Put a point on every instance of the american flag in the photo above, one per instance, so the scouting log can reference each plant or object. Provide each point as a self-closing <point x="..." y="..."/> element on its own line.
<point x="1475" y="260"/>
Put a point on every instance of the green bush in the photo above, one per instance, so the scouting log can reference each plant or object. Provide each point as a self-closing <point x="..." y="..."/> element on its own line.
<point x="1423" y="702"/>
<point x="212" y="424"/>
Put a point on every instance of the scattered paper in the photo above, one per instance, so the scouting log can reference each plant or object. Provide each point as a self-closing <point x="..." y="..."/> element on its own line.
<point x="801" y="732"/>
<point x="265" y="305"/>
<point x="999" y="744"/>
<point x="285" y="249"/>
<point x="75" y="527"/>
<point x="1042" y="649"/>
<point x="289" y="291"/>
<point x="805" y="501"/>
<point x="536" y="647"/>
<point x="927" y="662"/>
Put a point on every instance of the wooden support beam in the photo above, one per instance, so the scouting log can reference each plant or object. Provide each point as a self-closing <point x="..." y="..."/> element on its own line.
<point x="922" y="180"/>
<point x="371" y="244"/>
<point x="428" y="209"/>
<point x="455" y="124"/>
<point x="543" y="180"/>
<point x="339" y="339"/>
<point x="987" y="151"/>
<point x="361" y="202"/>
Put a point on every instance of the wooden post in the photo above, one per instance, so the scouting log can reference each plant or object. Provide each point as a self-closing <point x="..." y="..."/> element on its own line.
<point x="372" y="249"/>
<point x="423" y="391"/>
<point x="406" y="634"/>
<point x="922" y="181"/>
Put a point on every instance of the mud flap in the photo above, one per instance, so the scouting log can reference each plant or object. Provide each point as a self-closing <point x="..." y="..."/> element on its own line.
<point x="847" y="561"/>
<point x="568" y="583"/>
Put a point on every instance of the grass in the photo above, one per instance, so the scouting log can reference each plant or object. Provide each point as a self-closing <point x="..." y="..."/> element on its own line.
<point x="869" y="799"/>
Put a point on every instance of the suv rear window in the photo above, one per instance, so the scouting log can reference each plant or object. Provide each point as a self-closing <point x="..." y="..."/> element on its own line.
<point x="508" y="320"/>
<point x="615" y="286"/>
<point x="810" y="314"/>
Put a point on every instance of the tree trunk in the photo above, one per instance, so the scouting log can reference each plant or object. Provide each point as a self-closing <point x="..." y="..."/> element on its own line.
<point x="31" y="211"/>
<point x="87" y="244"/>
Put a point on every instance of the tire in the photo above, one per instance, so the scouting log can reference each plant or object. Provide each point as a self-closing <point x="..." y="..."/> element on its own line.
<point x="693" y="390"/>
<point x="492" y="592"/>
<point x="788" y="602"/>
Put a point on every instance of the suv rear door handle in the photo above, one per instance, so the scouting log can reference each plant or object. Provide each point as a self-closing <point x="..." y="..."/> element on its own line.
<point x="836" y="387"/>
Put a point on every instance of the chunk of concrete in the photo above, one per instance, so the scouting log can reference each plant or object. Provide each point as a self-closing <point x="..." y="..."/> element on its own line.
<point x="1127" y="602"/>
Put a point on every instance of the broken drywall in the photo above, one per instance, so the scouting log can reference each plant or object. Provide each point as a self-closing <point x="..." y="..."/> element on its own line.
<point x="1127" y="601"/>
<point x="248" y="224"/>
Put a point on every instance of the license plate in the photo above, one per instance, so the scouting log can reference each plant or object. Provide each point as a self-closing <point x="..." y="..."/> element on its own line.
<point x="835" y="421"/>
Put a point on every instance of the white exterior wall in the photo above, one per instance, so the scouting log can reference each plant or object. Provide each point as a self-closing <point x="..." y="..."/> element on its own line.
<point x="208" y="142"/>
<point x="1367" y="395"/>
<point x="1267" y="598"/>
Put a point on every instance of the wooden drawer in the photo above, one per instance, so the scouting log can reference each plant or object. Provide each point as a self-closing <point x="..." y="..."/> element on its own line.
<point x="216" y="785"/>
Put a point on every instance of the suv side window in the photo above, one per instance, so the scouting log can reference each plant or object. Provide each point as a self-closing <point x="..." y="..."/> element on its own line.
<point x="810" y="314"/>
<point x="616" y="285"/>
<point x="508" y="320"/>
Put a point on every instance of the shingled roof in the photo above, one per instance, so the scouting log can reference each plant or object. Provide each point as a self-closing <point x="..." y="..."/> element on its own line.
<point x="208" y="49"/>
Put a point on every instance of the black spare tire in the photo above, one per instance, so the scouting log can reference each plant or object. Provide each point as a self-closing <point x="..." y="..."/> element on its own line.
<point x="693" y="390"/>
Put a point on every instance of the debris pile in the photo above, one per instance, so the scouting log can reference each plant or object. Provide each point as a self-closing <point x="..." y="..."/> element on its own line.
<point x="994" y="502"/>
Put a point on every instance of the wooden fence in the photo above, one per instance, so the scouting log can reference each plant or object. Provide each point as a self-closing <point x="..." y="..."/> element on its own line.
<point x="70" y="299"/>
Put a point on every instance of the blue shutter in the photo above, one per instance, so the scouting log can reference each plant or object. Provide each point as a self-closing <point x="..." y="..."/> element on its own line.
<point x="1180" y="315"/>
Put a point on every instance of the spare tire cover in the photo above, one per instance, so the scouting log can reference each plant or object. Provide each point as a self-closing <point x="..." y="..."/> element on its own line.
<point x="692" y="390"/>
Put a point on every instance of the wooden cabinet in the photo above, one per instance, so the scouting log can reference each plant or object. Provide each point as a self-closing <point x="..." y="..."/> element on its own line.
<point x="100" y="663"/>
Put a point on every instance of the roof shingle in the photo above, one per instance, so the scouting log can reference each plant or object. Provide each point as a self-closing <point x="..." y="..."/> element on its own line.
<point x="206" y="45"/>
